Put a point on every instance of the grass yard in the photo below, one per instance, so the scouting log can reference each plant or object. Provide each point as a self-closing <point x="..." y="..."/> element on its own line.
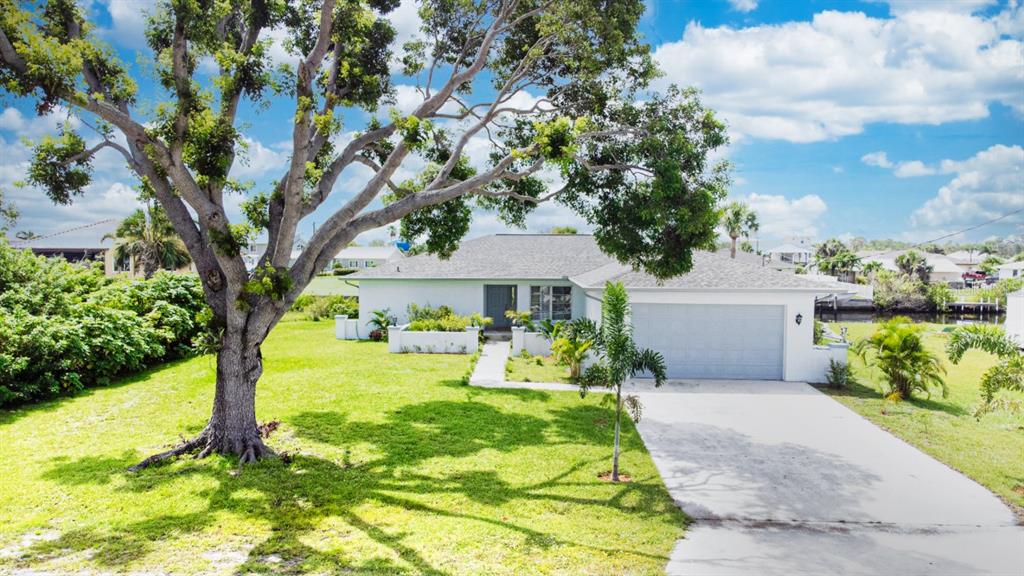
<point x="398" y="468"/>
<point x="536" y="369"/>
<point x="331" y="286"/>
<point x="989" y="450"/>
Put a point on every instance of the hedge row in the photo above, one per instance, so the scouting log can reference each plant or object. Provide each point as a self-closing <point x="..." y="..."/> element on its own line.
<point x="65" y="327"/>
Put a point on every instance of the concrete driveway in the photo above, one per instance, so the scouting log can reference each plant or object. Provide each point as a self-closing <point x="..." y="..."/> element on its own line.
<point x="781" y="479"/>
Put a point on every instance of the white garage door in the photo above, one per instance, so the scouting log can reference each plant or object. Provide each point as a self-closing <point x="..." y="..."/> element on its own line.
<point x="713" y="341"/>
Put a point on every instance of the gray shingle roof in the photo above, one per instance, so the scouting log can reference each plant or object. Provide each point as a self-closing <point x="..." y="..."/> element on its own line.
<point x="577" y="257"/>
<point x="711" y="271"/>
<point x="502" y="256"/>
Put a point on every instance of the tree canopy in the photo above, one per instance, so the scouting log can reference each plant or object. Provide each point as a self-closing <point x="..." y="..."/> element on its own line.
<point x="557" y="92"/>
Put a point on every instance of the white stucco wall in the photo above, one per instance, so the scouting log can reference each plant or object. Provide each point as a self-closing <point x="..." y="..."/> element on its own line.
<point x="800" y="363"/>
<point x="1014" y="325"/>
<point x="463" y="296"/>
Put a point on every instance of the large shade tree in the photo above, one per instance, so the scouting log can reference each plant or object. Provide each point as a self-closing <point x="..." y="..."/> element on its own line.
<point x="556" y="84"/>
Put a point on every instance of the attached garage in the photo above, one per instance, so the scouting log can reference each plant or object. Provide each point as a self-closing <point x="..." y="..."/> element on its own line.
<point x="743" y="342"/>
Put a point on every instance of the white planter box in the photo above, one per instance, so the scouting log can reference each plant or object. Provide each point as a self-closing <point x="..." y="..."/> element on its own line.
<point x="402" y="341"/>
<point x="534" y="343"/>
<point x="346" y="329"/>
<point x="820" y="359"/>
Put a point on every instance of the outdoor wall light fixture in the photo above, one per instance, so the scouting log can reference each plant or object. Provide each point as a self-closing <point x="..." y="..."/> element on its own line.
<point x="799" y="319"/>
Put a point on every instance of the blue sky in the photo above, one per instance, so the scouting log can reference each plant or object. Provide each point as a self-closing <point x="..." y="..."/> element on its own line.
<point x="901" y="119"/>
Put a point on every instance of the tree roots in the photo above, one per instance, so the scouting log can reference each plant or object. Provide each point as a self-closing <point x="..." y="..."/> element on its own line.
<point x="206" y="443"/>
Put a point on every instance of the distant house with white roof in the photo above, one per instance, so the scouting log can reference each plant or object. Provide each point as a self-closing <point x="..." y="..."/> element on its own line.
<point x="1011" y="270"/>
<point x="358" y="257"/>
<point x="791" y="254"/>
<point x="943" y="268"/>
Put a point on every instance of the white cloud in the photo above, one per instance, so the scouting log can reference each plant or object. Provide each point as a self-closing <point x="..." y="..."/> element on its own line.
<point x="781" y="217"/>
<point x="913" y="168"/>
<point x="988" y="185"/>
<point x="958" y="6"/>
<point x="34" y="127"/>
<point x="279" y="54"/>
<point x="257" y="159"/>
<point x="743" y="5"/>
<point x="128" y="22"/>
<point x="406" y="21"/>
<point x="828" y="78"/>
<point x="879" y="159"/>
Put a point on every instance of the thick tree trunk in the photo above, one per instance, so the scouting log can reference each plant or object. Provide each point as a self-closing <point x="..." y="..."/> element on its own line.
<point x="232" y="428"/>
<point x="732" y="249"/>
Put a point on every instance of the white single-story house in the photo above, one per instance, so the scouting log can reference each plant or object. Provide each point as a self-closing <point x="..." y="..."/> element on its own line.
<point x="944" y="270"/>
<point x="366" y="256"/>
<point x="790" y="254"/>
<point x="1011" y="270"/>
<point x="724" y="319"/>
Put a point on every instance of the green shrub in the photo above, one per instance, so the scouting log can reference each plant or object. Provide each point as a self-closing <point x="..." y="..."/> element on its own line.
<point x="302" y="302"/>
<point x="64" y="327"/>
<point x="819" y="332"/>
<point x="442" y="319"/>
<point x="330" y="306"/>
<point x="839" y="375"/>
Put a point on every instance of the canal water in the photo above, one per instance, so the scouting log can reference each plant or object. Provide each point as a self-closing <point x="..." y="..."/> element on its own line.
<point x="932" y="317"/>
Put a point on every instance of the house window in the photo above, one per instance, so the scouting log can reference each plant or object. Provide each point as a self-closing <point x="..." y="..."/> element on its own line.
<point x="551" y="302"/>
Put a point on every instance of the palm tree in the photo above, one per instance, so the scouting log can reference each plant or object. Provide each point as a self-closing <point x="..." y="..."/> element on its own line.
<point x="1007" y="374"/>
<point x="898" y="351"/>
<point x="832" y="257"/>
<point x="914" y="265"/>
<point x="148" y="236"/>
<point x="738" y="220"/>
<point x="620" y="359"/>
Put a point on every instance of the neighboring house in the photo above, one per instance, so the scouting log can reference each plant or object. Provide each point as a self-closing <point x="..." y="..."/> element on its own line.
<point x="944" y="270"/>
<point x="112" y="265"/>
<point x="724" y="319"/>
<point x="791" y="254"/>
<point x="967" y="260"/>
<point x="366" y="256"/>
<point x="254" y="251"/>
<point x="1011" y="270"/>
<point x="762" y="260"/>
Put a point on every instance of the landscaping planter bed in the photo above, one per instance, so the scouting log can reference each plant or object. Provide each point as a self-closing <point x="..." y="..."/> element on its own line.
<point x="401" y="340"/>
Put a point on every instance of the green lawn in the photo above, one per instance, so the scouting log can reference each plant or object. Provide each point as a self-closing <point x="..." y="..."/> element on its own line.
<point x="989" y="450"/>
<point x="398" y="468"/>
<point x="535" y="369"/>
<point x="331" y="286"/>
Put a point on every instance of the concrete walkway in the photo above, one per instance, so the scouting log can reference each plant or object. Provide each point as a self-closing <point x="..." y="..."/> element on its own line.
<point x="782" y="480"/>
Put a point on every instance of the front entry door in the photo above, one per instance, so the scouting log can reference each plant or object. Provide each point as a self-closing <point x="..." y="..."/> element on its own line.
<point x="498" y="299"/>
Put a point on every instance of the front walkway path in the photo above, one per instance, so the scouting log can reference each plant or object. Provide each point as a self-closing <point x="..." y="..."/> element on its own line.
<point x="782" y="480"/>
<point x="490" y="366"/>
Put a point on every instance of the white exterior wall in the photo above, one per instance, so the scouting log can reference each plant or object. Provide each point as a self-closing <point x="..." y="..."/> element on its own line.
<point x="1014" y="325"/>
<point x="800" y="363"/>
<point x="1008" y="272"/>
<point x="465" y="297"/>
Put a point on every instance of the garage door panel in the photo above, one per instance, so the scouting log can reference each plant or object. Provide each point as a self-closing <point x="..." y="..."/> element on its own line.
<point x="713" y="341"/>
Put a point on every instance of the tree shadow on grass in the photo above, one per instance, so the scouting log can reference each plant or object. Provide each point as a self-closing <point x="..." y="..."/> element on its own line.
<point x="295" y="500"/>
<point x="864" y="392"/>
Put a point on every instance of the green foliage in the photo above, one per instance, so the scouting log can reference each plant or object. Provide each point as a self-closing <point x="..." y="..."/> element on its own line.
<point x="897" y="350"/>
<point x="320" y="307"/>
<point x="914" y="265"/>
<point x="839" y="375"/>
<point x="148" y="236"/>
<point x="998" y="291"/>
<point x="524" y="318"/>
<point x="442" y="319"/>
<point x="268" y="282"/>
<point x="8" y="213"/>
<point x="938" y="294"/>
<point x="379" y="322"/>
<point x="819" y="332"/>
<point x="571" y="351"/>
<point x="556" y="140"/>
<point x="619" y="359"/>
<point x="738" y="220"/>
<point x="990" y="265"/>
<point x="59" y="167"/>
<point x="832" y="257"/>
<point x="563" y="230"/>
<point x="65" y="327"/>
<point x="897" y="291"/>
<point x="1008" y="374"/>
